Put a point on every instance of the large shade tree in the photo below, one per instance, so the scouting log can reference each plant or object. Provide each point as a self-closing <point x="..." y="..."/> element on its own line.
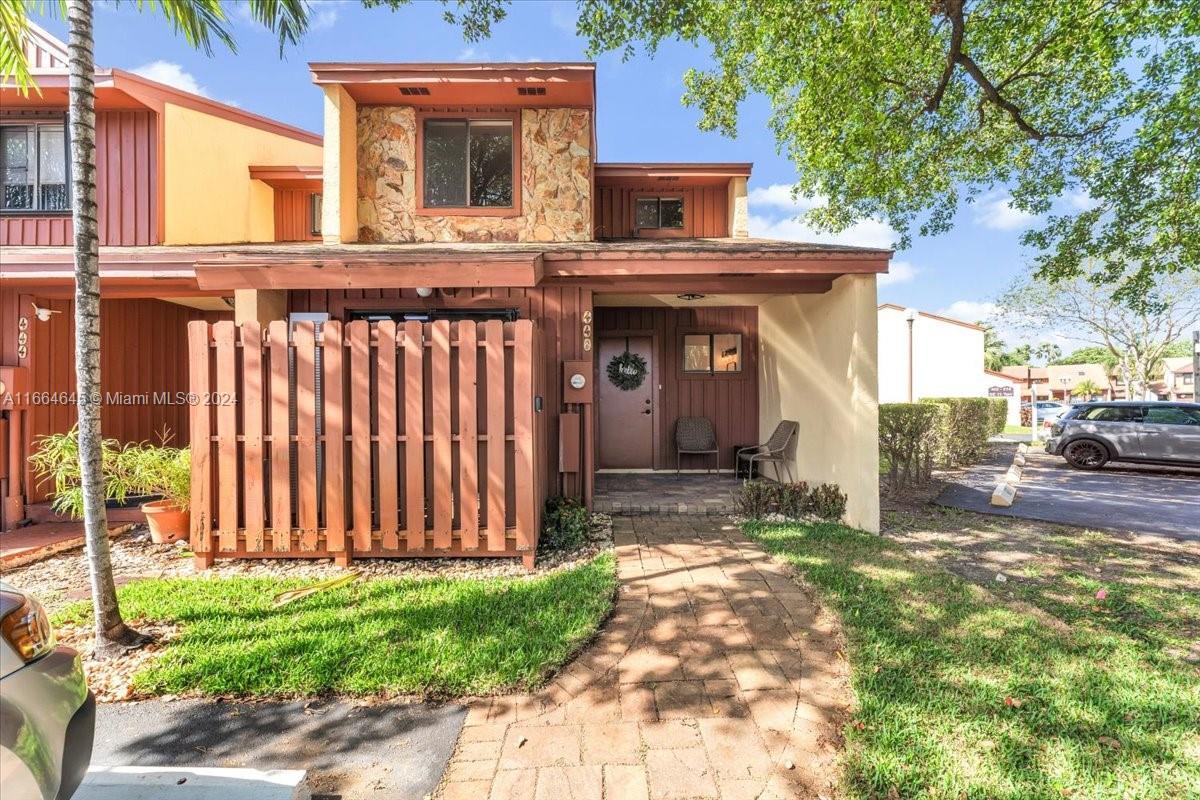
<point x="201" y="22"/>
<point x="1083" y="112"/>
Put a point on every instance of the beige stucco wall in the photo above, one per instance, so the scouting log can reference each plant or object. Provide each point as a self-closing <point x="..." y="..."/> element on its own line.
<point x="556" y="199"/>
<point x="817" y="366"/>
<point x="209" y="196"/>
<point x="339" y="211"/>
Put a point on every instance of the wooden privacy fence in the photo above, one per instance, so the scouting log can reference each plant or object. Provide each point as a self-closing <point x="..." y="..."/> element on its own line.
<point x="368" y="439"/>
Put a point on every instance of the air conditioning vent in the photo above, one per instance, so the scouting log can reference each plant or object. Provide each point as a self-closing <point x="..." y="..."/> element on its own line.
<point x="539" y="90"/>
<point x="414" y="90"/>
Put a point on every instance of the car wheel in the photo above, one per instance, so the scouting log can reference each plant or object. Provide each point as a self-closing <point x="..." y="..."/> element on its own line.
<point x="1086" y="454"/>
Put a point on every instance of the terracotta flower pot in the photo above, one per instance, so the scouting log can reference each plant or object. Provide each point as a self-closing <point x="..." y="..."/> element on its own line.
<point x="168" y="523"/>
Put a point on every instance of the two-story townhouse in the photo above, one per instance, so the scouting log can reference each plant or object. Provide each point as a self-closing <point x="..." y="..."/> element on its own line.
<point x="173" y="169"/>
<point x="493" y="315"/>
<point x="1179" y="380"/>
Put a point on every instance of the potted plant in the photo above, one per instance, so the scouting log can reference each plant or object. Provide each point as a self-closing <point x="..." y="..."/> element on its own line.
<point x="129" y="471"/>
<point x="56" y="459"/>
<point x="165" y="472"/>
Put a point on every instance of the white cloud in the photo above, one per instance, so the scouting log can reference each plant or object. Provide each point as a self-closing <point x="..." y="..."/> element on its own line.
<point x="324" y="19"/>
<point x="471" y="53"/>
<point x="898" y="272"/>
<point x="970" y="310"/>
<point x="171" y="74"/>
<point x="778" y="215"/>
<point x="999" y="214"/>
<point x="1080" y="201"/>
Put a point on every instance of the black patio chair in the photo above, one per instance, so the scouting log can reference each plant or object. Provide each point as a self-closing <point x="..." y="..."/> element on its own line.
<point x="779" y="449"/>
<point x="695" y="436"/>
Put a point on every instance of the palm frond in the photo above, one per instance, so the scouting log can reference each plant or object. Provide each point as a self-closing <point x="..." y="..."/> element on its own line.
<point x="286" y="18"/>
<point x="199" y="21"/>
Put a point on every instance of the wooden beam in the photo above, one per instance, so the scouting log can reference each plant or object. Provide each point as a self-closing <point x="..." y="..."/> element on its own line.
<point x="376" y="274"/>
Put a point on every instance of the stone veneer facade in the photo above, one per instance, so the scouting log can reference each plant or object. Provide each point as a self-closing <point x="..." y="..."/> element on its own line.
<point x="555" y="182"/>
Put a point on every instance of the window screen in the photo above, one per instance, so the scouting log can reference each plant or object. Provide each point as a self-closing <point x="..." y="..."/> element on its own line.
<point x="658" y="212"/>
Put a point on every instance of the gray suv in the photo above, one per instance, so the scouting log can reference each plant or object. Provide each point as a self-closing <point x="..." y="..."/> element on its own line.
<point x="1092" y="434"/>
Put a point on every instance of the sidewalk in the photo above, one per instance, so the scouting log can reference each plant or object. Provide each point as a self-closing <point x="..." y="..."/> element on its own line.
<point x="43" y="539"/>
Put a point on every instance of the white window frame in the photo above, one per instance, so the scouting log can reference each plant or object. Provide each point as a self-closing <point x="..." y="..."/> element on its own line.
<point x="36" y="163"/>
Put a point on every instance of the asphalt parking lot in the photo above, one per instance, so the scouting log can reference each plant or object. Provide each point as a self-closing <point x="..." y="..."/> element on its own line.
<point x="1124" y="497"/>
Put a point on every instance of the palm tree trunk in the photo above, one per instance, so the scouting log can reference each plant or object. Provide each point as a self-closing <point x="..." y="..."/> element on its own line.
<point x="111" y="631"/>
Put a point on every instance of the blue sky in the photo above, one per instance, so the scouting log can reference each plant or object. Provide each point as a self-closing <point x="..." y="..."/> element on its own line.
<point x="640" y="118"/>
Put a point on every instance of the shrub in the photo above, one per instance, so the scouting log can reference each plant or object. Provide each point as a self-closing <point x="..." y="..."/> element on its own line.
<point x="793" y="499"/>
<point x="828" y="502"/>
<point x="908" y="441"/>
<point x="755" y="499"/>
<point x="566" y="524"/>
<point x="159" y="470"/>
<point x="964" y="429"/>
<point x="998" y="415"/>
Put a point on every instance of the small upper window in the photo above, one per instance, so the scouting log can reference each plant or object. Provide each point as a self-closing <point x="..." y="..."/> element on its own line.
<point x="659" y="212"/>
<point x="314" y="214"/>
<point x="711" y="353"/>
<point x="468" y="163"/>
<point x="33" y="167"/>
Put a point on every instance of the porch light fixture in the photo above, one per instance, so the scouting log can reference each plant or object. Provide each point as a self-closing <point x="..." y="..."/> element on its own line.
<point x="690" y="296"/>
<point x="424" y="291"/>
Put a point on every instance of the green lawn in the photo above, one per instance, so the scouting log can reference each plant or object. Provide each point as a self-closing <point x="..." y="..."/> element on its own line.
<point x="1021" y="429"/>
<point x="964" y="693"/>
<point x="433" y="637"/>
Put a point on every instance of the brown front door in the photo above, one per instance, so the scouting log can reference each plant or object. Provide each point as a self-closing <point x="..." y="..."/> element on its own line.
<point x="626" y="415"/>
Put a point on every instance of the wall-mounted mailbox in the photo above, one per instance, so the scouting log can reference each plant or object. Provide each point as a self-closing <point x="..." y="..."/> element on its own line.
<point x="577" y="381"/>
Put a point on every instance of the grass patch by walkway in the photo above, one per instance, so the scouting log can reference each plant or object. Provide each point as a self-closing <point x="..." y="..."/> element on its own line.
<point x="435" y="637"/>
<point x="962" y="693"/>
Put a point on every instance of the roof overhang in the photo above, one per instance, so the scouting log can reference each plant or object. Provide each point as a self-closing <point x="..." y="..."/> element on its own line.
<point x="555" y="83"/>
<point x="118" y="90"/>
<point x="716" y="265"/>
<point x="308" y="178"/>
<point x="613" y="169"/>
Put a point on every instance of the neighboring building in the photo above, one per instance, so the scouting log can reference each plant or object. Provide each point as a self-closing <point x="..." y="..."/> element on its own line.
<point x="1179" y="380"/>
<point x="928" y="355"/>
<point x="173" y="168"/>
<point x="1061" y="381"/>
<point x="456" y="194"/>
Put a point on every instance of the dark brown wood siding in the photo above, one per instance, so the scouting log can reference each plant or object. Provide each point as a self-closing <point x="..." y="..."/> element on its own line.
<point x="293" y="216"/>
<point x="559" y="311"/>
<point x="705" y="207"/>
<point x="126" y="193"/>
<point x="143" y="347"/>
<point x="729" y="400"/>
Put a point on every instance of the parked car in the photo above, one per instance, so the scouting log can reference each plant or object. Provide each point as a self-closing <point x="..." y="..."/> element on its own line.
<point x="47" y="713"/>
<point x="1048" y="410"/>
<point x="1092" y="434"/>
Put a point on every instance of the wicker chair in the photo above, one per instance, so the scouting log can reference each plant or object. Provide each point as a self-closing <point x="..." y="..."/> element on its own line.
<point x="695" y="436"/>
<point x="779" y="449"/>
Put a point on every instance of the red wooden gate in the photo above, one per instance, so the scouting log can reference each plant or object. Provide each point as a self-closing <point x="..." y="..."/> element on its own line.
<point x="369" y="440"/>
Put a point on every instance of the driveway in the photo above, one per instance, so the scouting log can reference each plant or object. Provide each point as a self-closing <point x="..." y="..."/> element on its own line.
<point x="351" y="751"/>
<point x="1124" y="497"/>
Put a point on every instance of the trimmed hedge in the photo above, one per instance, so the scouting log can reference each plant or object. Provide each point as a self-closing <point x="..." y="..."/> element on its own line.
<point x="937" y="431"/>
<point x="908" y="441"/>
<point x="965" y="428"/>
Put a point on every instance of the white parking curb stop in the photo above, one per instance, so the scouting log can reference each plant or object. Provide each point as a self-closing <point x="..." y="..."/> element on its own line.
<point x="193" y="783"/>
<point x="1004" y="494"/>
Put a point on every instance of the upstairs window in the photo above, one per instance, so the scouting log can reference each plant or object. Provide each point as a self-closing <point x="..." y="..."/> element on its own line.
<point x="467" y="163"/>
<point x="33" y="167"/>
<point x="314" y="214"/>
<point x="658" y="212"/>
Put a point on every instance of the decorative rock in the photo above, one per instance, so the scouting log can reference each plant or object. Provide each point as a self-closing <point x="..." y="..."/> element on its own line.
<point x="555" y="182"/>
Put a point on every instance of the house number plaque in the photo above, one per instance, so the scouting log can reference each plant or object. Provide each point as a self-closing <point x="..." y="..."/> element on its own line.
<point x="587" y="331"/>
<point x="22" y="337"/>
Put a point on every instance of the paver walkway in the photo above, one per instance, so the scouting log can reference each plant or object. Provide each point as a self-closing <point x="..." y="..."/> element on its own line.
<point x="716" y="677"/>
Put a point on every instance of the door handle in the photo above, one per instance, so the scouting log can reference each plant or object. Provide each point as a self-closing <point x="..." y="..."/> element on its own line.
<point x="648" y="411"/>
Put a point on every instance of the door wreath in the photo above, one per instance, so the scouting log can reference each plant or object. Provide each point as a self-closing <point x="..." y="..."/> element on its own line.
<point x="627" y="371"/>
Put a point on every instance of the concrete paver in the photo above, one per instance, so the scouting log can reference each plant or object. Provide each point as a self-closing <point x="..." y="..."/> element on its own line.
<point x="714" y="673"/>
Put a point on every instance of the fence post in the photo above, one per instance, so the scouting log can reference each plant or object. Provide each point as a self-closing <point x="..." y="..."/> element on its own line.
<point x="200" y="424"/>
